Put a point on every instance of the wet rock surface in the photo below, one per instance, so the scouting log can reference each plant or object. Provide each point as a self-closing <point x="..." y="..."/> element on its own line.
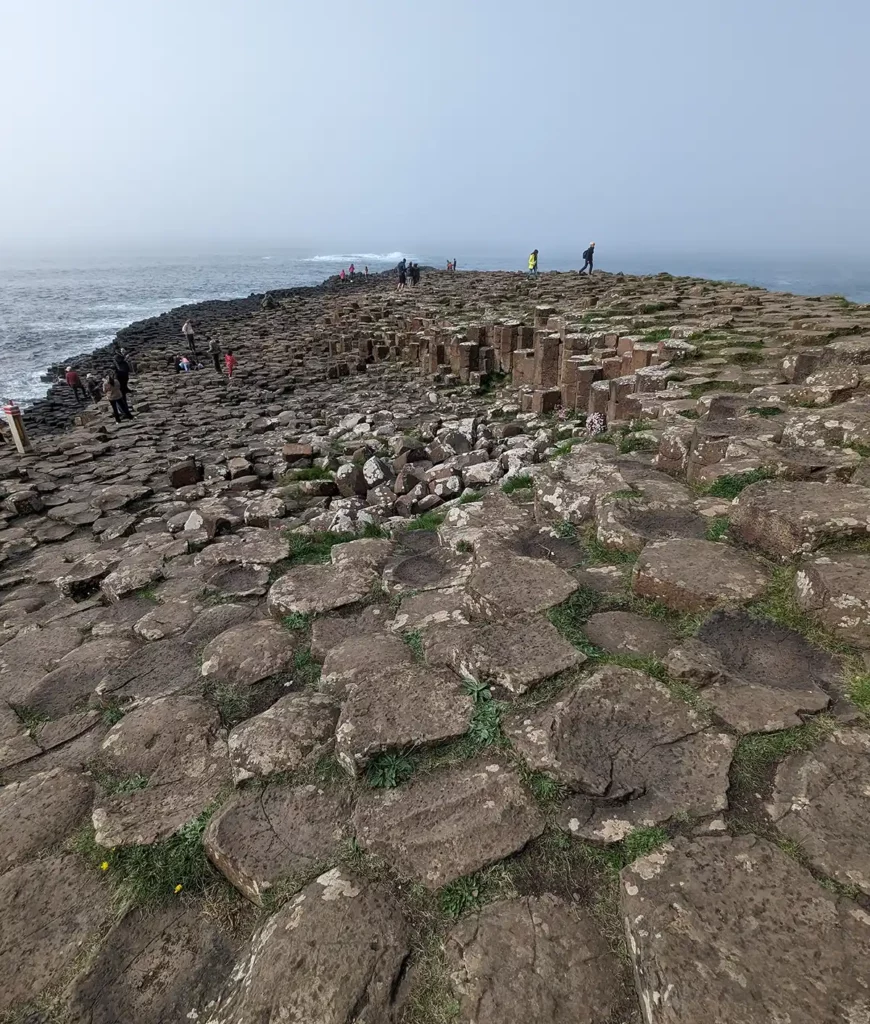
<point x="381" y="612"/>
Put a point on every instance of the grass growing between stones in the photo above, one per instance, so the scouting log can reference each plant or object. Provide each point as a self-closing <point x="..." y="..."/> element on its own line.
<point x="387" y="771"/>
<point x="778" y="604"/>
<point x="472" y="893"/>
<point x="314" y="548"/>
<point x="427" y="521"/>
<point x="521" y="482"/>
<point x="599" y="554"/>
<point x="296" y="621"/>
<point x="730" y="485"/>
<point x="859" y="692"/>
<point x="718" y="528"/>
<point x="233" y="703"/>
<point x="112" y="782"/>
<point x="306" y="671"/>
<point x="468" y="497"/>
<point x="32" y="718"/>
<point x="756" y="753"/>
<point x="414" y="640"/>
<point x="149" y="876"/>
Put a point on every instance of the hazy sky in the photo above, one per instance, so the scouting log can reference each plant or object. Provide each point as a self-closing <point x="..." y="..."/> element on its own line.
<point x="341" y="125"/>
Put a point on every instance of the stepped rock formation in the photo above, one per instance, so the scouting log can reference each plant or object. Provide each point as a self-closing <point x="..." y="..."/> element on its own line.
<point x="369" y="688"/>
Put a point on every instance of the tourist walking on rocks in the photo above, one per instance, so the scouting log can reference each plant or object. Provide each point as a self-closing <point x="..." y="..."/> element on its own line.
<point x="367" y="272"/>
<point x="533" y="263"/>
<point x="75" y="382"/>
<point x="112" y="391"/>
<point x="415" y="274"/>
<point x="231" y="363"/>
<point x="588" y="256"/>
<point x="190" y="335"/>
<point x="341" y="276"/>
<point x="352" y="271"/>
<point x="214" y="350"/>
<point x="93" y="386"/>
<point x="402" y="278"/>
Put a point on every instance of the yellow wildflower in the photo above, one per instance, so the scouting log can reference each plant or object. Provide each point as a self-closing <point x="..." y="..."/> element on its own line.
<point x="178" y="888"/>
<point x="104" y="866"/>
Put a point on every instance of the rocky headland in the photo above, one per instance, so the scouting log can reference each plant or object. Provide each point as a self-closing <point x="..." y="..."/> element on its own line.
<point x="371" y="688"/>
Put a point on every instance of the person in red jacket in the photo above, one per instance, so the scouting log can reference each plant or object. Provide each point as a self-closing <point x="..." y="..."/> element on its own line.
<point x="75" y="382"/>
<point x="230" y="361"/>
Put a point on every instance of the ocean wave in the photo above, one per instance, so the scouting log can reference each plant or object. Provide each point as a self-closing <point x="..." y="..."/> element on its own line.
<point x="375" y="257"/>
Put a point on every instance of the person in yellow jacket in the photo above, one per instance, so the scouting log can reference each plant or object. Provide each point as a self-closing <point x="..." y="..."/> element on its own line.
<point x="533" y="263"/>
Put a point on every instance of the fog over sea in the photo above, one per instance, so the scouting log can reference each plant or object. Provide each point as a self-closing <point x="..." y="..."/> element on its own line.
<point x="54" y="306"/>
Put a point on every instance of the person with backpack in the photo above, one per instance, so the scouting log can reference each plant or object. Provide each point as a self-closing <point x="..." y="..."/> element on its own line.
<point x="588" y="256"/>
<point x="214" y="350"/>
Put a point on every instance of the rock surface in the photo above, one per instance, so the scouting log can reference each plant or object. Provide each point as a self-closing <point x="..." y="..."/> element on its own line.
<point x="532" y="959"/>
<point x="633" y="755"/>
<point x="820" y="800"/>
<point x="345" y="941"/>
<point x="686" y="909"/>
<point x="449" y="824"/>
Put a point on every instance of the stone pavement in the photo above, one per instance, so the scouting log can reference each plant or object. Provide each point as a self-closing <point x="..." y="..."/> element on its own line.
<point x="343" y="692"/>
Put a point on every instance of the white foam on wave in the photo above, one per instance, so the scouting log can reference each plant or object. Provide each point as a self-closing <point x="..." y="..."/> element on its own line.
<point x="375" y="257"/>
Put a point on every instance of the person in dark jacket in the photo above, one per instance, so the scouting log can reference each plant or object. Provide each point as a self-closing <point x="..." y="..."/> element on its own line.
<point x="93" y="387"/>
<point x="122" y="373"/>
<point x="588" y="256"/>
<point x="214" y="350"/>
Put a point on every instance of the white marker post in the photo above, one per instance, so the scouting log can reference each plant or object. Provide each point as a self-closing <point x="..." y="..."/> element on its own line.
<point x="13" y="416"/>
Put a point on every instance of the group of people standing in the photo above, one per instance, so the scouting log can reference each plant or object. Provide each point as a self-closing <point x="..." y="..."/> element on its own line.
<point x="185" y="363"/>
<point x="407" y="270"/>
<point x="114" y="387"/>
<point x="588" y="257"/>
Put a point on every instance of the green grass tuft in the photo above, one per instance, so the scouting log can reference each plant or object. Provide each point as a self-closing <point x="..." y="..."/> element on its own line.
<point x="473" y="892"/>
<point x="148" y="876"/>
<point x="520" y="482"/>
<point x="233" y="703"/>
<point x="718" y="528"/>
<point x="778" y="604"/>
<point x="485" y="728"/>
<point x="731" y="485"/>
<point x="32" y="718"/>
<point x="414" y="639"/>
<point x="467" y="497"/>
<point x="387" y="771"/>
<point x="427" y="521"/>
<point x="306" y="671"/>
<point x="859" y="692"/>
<point x="296" y="621"/>
<point x="757" y="752"/>
<point x="546" y="788"/>
<point x="372" y="531"/>
<point x="314" y="548"/>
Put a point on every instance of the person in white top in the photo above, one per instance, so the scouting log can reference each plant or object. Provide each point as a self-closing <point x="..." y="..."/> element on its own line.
<point x="190" y="334"/>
